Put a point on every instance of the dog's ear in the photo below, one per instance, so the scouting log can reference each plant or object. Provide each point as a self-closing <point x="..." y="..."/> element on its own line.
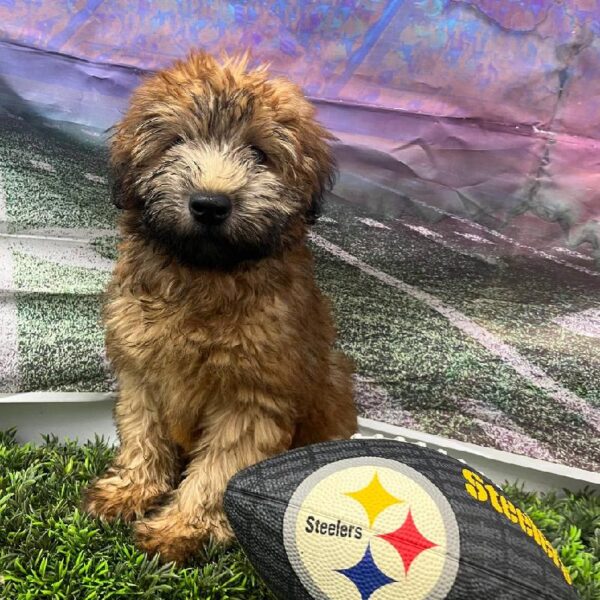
<point x="326" y="176"/>
<point x="115" y="176"/>
<point x="121" y="190"/>
<point x="315" y="207"/>
<point x="121" y="170"/>
<point x="314" y="210"/>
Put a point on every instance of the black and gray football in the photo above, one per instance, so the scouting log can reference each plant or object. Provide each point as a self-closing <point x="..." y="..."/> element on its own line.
<point x="375" y="519"/>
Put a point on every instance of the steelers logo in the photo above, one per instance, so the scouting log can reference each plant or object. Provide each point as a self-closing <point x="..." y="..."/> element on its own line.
<point x="371" y="529"/>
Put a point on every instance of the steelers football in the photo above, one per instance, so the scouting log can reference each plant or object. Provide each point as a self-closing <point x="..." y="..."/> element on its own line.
<point x="375" y="519"/>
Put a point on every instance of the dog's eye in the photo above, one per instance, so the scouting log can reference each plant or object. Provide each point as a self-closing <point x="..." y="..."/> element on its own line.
<point x="176" y="141"/>
<point x="259" y="156"/>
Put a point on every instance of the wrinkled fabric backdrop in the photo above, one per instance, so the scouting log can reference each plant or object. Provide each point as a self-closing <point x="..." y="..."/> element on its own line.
<point x="469" y="134"/>
<point x="483" y="105"/>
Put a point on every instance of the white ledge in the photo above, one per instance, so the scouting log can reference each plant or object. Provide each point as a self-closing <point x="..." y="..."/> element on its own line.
<point x="83" y="416"/>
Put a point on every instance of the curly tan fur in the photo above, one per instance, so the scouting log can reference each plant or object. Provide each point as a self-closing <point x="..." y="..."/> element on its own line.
<point x="221" y="340"/>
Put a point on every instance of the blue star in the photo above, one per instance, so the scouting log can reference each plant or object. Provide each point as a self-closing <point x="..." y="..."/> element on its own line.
<point x="366" y="575"/>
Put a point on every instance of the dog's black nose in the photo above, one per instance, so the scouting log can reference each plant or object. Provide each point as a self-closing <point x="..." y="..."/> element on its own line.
<point x="210" y="209"/>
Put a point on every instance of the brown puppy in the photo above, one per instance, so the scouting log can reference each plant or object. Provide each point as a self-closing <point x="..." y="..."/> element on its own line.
<point x="221" y="341"/>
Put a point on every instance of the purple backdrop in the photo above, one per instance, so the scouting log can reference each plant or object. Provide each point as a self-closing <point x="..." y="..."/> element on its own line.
<point x="476" y="106"/>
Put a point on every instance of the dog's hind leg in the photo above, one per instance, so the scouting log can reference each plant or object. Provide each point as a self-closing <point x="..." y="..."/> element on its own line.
<point x="146" y="465"/>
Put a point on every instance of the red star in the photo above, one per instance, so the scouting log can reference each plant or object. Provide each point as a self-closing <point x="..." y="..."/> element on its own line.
<point x="408" y="541"/>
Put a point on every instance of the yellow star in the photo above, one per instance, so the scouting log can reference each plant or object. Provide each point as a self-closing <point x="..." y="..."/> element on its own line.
<point x="374" y="498"/>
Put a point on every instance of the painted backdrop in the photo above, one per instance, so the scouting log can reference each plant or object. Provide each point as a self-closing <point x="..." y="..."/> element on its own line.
<point x="462" y="241"/>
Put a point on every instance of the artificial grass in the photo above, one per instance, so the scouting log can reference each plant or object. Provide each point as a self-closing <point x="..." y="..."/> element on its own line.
<point x="49" y="549"/>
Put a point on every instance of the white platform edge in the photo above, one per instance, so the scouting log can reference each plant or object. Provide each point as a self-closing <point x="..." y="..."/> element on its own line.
<point x="83" y="416"/>
<point x="499" y="466"/>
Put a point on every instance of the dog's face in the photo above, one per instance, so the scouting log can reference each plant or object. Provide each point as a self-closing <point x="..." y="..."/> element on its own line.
<point x="219" y="164"/>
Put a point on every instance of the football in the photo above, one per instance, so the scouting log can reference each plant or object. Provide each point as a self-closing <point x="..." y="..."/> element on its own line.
<point x="375" y="519"/>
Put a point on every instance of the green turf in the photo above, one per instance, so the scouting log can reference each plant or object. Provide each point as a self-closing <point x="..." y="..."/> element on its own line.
<point x="424" y="364"/>
<point x="49" y="549"/>
<point x="572" y="523"/>
<point x="35" y="275"/>
<point x="106" y="246"/>
<point x="515" y="298"/>
<point x="60" y="197"/>
<point x="62" y="341"/>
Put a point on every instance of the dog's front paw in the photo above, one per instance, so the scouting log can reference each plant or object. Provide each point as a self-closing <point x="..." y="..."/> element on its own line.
<point x="112" y="497"/>
<point x="177" y="537"/>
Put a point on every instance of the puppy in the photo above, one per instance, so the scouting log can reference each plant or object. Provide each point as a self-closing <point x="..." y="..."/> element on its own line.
<point x="222" y="344"/>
